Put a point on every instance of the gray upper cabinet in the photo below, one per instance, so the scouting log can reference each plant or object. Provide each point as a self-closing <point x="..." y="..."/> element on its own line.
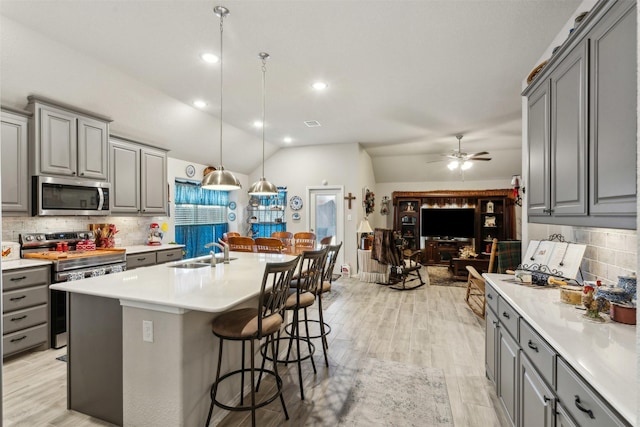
<point x="568" y="134"/>
<point x="538" y="188"/>
<point x="15" y="188"/>
<point x="138" y="176"/>
<point x="613" y="113"/>
<point x="582" y="125"/>
<point x="68" y="142"/>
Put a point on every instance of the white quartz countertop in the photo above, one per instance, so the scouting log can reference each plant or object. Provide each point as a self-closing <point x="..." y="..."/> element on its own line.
<point x="604" y="354"/>
<point x="205" y="289"/>
<point x="137" y="249"/>
<point x="23" y="263"/>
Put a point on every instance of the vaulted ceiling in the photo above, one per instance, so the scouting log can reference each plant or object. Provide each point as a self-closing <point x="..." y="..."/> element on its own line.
<point x="404" y="76"/>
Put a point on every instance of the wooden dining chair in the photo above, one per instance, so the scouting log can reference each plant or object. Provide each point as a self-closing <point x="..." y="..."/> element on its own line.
<point x="242" y="244"/>
<point x="326" y="241"/>
<point x="286" y="237"/>
<point x="304" y="239"/>
<point x="268" y="245"/>
<point x="225" y="236"/>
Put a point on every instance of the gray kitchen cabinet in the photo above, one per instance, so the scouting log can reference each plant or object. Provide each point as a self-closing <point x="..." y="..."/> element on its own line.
<point x="15" y="176"/>
<point x="581" y="125"/>
<point x="491" y="342"/>
<point x="538" y="133"/>
<point x="138" y="176"/>
<point x="507" y="381"/>
<point x="536" y="400"/>
<point x="143" y="259"/>
<point x="168" y="255"/>
<point x="569" y="134"/>
<point x="25" y="309"/>
<point x="68" y="142"/>
<point x="563" y="419"/>
<point x="612" y="109"/>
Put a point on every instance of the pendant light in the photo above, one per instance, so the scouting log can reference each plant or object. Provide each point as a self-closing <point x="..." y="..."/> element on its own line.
<point x="221" y="179"/>
<point x="263" y="187"/>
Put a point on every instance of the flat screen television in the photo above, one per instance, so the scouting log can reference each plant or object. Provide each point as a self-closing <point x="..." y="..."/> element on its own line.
<point x="446" y="222"/>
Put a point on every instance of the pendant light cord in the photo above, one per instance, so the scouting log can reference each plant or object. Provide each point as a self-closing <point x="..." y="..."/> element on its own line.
<point x="264" y="90"/>
<point x="222" y="15"/>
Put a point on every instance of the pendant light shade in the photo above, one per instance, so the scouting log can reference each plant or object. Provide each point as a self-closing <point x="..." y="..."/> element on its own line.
<point x="263" y="187"/>
<point x="221" y="179"/>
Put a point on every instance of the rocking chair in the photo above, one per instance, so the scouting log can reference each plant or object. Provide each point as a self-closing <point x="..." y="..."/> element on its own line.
<point x="389" y="248"/>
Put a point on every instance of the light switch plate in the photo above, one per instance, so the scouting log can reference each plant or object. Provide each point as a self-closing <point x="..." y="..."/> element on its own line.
<point x="147" y="330"/>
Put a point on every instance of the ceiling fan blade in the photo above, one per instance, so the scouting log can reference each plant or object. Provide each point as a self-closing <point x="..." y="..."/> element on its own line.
<point x="486" y="159"/>
<point x="436" y="161"/>
<point x="480" y="153"/>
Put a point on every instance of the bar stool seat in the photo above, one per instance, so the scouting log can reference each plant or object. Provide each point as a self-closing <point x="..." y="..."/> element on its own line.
<point x="254" y="324"/>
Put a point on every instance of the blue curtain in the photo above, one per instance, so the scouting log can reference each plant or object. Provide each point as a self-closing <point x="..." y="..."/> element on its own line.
<point x="194" y="237"/>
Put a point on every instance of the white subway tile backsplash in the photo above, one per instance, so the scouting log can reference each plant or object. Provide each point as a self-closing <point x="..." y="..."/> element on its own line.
<point x="598" y="238"/>
<point x="132" y="230"/>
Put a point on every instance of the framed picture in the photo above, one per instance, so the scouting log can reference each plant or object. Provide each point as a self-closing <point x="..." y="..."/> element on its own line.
<point x="490" y="221"/>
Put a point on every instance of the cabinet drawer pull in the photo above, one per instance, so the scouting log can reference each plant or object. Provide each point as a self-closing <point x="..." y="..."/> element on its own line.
<point x="583" y="409"/>
<point x="489" y="296"/>
<point x="546" y="399"/>
<point x="532" y="346"/>
<point x="505" y="315"/>
<point x="15" y="319"/>
<point x="17" y="298"/>
<point x="142" y="259"/>
<point x="18" y="339"/>
<point x="17" y="279"/>
<point x="495" y="322"/>
<point x="169" y="255"/>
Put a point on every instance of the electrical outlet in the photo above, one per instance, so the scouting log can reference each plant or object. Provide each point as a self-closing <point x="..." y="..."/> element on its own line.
<point x="147" y="330"/>
<point x="349" y="217"/>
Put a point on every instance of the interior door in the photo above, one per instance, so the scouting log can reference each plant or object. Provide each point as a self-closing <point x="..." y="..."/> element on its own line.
<point x="326" y="215"/>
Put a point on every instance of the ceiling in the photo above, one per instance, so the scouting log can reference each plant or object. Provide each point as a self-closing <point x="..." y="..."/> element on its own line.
<point x="404" y="76"/>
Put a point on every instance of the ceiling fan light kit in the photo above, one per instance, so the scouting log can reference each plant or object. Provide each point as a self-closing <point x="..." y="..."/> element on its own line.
<point x="463" y="161"/>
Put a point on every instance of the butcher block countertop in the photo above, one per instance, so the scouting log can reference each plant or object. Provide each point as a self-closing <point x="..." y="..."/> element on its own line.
<point x="56" y="255"/>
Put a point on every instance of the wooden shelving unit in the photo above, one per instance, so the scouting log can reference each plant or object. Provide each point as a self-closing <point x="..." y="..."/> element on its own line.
<point x="494" y="218"/>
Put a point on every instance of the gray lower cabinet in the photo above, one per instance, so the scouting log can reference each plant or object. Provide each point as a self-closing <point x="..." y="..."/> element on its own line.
<point x="535" y="386"/>
<point x="144" y="259"/>
<point x="15" y="176"/>
<point x="138" y="176"/>
<point x="581" y="125"/>
<point x="507" y="386"/>
<point x="25" y="309"/>
<point x="536" y="400"/>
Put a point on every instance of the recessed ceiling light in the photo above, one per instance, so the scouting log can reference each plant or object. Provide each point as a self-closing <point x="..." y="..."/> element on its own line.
<point x="319" y="85"/>
<point x="257" y="124"/>
<point x="288" y="139"/>
<point x="210" y="58"/>
<point x="199" y="103"/>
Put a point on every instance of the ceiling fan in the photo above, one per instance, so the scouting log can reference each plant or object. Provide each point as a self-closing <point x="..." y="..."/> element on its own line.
<point x="459" y="159"/>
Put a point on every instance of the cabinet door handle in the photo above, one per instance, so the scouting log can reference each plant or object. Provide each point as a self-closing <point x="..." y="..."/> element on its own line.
<point x="17" y="279"/>
<point x="583" y="409"/>
<point x="18" y="339"/>
<point x="495" y="322"/>
<point x="546" y="399"/>
<point x="169" y="255"/>
<point x="505" y="315"/>
<point x="15" y="319"/>
<point x="17" y="298"/>
<point x="489" y="296"/>
<point x="547" y="211"/>
<point x="532" y="346"/>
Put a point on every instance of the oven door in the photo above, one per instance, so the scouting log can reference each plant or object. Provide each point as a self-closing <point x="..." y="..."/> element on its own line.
<point x="64" y="196"/>
<point x="59" y="298"/>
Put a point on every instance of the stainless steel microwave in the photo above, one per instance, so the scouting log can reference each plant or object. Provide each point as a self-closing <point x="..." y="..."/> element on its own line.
<point x="69" y="196"/>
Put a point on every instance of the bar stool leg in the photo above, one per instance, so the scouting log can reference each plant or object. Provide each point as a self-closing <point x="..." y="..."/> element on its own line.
<point x="214" y="386"/>
<point x="306" y="327"/>
<point x="275" y="369"/>
<point x="253" y="382"/>
<point x="242" y="377"/>
<point x="325" y="344"/>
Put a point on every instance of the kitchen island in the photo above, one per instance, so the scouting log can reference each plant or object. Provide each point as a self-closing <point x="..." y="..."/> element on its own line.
<point x="141" y="351"/>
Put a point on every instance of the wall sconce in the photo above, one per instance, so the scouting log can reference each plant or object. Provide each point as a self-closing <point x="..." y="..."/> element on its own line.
<point x="516" y="184"/>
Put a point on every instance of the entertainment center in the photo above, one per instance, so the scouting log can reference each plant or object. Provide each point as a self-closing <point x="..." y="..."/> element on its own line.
<point x="440" y="223"/>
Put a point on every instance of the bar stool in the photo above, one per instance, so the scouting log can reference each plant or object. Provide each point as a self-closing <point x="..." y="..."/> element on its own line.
<point x="251" y="324"/>
<point x="301" y="297"/>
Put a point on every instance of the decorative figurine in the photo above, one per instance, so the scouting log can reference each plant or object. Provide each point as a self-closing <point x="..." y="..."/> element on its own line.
<point x="591" y="303"/>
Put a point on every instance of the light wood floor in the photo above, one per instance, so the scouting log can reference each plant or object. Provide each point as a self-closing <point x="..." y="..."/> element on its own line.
<point x="431" y="326"/>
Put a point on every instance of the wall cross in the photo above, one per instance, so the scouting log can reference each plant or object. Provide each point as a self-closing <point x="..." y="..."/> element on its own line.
<point x="350" y="197"/>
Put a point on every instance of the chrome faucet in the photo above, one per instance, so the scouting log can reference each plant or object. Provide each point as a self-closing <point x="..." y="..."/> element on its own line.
<point x="223" y="247"/>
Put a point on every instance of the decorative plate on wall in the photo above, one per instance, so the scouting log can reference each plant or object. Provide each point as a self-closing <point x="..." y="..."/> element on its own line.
<point x="295" y="216"/>
<point x="190" y="170"/>
<point x="296" y="203"/>
<point x="231" y="216"/>
<point x="232" y="206"/>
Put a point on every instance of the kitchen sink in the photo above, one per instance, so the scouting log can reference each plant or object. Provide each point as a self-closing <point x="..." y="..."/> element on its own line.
<point x="191" y="265"/>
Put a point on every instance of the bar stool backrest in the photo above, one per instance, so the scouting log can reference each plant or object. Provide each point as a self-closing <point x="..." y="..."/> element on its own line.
<point x="311" y="270"/>
<point x="277" y="275"/>
<point x="330" y="263"/>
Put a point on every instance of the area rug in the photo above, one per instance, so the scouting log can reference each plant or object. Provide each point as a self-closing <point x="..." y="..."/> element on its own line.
<point x="387" y="393"/>
<point x="441" y="276"/>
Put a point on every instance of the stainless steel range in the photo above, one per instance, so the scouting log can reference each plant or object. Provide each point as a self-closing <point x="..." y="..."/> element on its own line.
<point x="69" y="264"/>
